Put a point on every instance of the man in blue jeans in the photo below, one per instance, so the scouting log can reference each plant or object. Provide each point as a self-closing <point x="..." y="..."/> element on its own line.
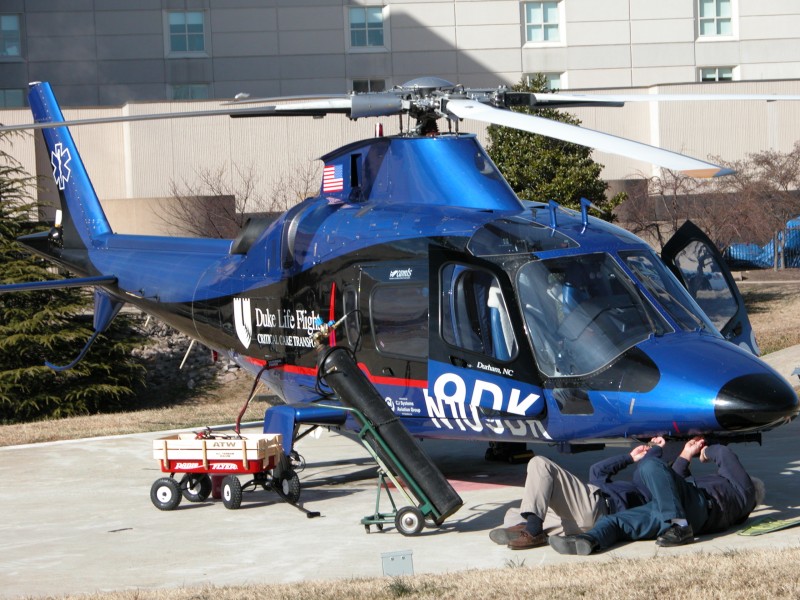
<point x="551" y="488"/>
<point x="680" y="507"/>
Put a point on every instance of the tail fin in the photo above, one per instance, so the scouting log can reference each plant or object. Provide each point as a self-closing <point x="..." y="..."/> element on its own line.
<point x="84" y="219"/>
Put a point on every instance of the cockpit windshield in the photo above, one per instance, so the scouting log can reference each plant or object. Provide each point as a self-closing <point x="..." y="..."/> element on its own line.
<point x="582" y="312"/>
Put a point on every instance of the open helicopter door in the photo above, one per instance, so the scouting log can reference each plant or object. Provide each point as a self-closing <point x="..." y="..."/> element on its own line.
<point x="699" y="266"/>
<point x="480" y="367"/>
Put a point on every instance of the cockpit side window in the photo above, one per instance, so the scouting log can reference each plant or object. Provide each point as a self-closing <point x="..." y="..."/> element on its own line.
<point x="474" y="313"/>
<point x="582" y="312"/>
<point x="399" y="314"/>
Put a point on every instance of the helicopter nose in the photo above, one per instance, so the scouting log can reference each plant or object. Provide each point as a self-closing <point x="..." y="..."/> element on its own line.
<point x="755" y="401"/>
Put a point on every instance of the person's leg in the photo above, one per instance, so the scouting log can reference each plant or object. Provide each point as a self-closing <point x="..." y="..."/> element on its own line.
<point x="664" y="486"/>
<point x="637" y="523"/>
<point x="677" y="501"/>
<point x="550" y="486"/>
<point x="640" y="523"/>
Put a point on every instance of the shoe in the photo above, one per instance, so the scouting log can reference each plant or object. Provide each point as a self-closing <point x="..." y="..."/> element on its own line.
<point x="526" y="541"/>
<point x="503" y="535"/>
<point x="676" y="536"/>
<point x="581" y="544"/>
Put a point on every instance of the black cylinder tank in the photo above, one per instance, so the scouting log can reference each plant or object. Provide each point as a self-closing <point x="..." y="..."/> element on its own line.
<point x="341" y="373"/>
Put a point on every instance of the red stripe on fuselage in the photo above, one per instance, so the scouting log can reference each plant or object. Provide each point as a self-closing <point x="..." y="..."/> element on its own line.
<point x="310" y="372"/>
<point x="255" y="361"/>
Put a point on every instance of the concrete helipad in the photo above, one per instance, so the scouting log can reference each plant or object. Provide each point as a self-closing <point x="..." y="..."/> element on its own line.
<point x="77" y="517"/>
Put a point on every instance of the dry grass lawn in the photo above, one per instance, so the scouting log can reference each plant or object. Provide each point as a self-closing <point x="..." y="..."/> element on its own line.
<point x="723" y="576"/>
<point x="774" y="311"/>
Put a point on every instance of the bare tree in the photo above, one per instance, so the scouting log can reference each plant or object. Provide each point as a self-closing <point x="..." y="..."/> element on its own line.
<point x="749" y="205"/>
<point x="765" y="187"/>
<point x="209" y="206"/>
<point x="656" y="210"/>
<point x="216" y="205"/>
<point x="295" y="187"/>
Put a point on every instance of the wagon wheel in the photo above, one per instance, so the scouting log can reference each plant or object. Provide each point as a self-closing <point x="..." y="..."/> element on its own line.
<point x="231" y="492"/>
<point x="165" y="493"/>
<point x="409" y="520"/>
<point x="196" y="487"/>
<point x="290" y="486"/>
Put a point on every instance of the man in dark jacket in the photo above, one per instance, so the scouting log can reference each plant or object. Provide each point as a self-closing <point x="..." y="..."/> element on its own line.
<point x="549" y="487"/>
<point x="731" y="493"/>
<point x="680" y="506"/>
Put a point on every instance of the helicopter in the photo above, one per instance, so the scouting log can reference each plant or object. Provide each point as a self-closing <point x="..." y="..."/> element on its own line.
<point x="474" y="314"/>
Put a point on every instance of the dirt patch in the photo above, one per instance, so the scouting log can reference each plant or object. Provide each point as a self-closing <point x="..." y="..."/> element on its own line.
<point x="774" y="311"/>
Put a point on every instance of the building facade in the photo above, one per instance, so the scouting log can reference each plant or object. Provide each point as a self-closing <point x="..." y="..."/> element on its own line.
<point x="113" y="57"/>
<point x="108" y="52"/>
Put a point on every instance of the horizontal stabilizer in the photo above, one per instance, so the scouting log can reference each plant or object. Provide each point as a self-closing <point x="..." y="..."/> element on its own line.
<point x="57" y="284"/>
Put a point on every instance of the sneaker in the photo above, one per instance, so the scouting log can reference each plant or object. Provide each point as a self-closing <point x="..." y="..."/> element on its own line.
<point x="676" y="536"/>
<point x="503" y="535"/>
<point x="526" y="541"/>
<point x="581" y="544"/>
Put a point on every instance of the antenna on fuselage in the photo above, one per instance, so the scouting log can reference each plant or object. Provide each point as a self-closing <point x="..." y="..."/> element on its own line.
<point x="586" y="204"/>
<point x="553" y="206"/>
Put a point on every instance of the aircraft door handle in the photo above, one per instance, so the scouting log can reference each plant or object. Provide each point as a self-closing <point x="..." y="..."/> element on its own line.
<point x="457" y="361"/>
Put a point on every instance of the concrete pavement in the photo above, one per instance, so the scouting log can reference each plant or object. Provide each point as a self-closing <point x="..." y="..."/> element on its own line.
<point x="77" y="518"/>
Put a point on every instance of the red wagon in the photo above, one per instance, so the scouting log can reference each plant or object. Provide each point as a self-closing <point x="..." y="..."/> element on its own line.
<point x="208" y="458"/>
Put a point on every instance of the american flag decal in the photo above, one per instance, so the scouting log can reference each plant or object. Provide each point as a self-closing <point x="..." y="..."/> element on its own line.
<point x="332" y="178"/>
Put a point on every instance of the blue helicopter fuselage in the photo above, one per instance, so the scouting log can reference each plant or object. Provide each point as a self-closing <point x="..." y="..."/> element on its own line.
<point x="476" y="315"/>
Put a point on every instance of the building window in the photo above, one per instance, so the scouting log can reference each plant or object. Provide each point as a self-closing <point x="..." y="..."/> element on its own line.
<point x="367" y="27"/>
<point x="554" y="81"/>
<point x="189" y="91"/>
<point x="542" y="22"/>
<point x="716" y="74"/>
<point x="715" y="18"/>
<point x="10" y="37"/>
<point x="12" y="98"/>
<point x="186" y="32"/>
<point x="361" y="86"/>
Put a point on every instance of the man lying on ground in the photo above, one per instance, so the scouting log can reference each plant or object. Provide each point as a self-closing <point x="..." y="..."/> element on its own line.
<point x="681" y="505"/>
<point x="551" y="487"/>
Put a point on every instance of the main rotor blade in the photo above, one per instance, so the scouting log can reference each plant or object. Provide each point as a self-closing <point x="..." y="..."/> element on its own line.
<point x="467" y="109"/>
<point x="249" y="100"/>
<point x="597" y="99"/>
<point x="317" y="108"/>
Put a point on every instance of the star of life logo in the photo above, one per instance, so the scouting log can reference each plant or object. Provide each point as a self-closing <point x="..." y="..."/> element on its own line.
<point x="243" y="320"/>
<point x="60" y="158"/>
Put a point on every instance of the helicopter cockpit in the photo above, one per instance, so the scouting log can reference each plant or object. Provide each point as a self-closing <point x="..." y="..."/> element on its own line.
<point x="583" y="311"/>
